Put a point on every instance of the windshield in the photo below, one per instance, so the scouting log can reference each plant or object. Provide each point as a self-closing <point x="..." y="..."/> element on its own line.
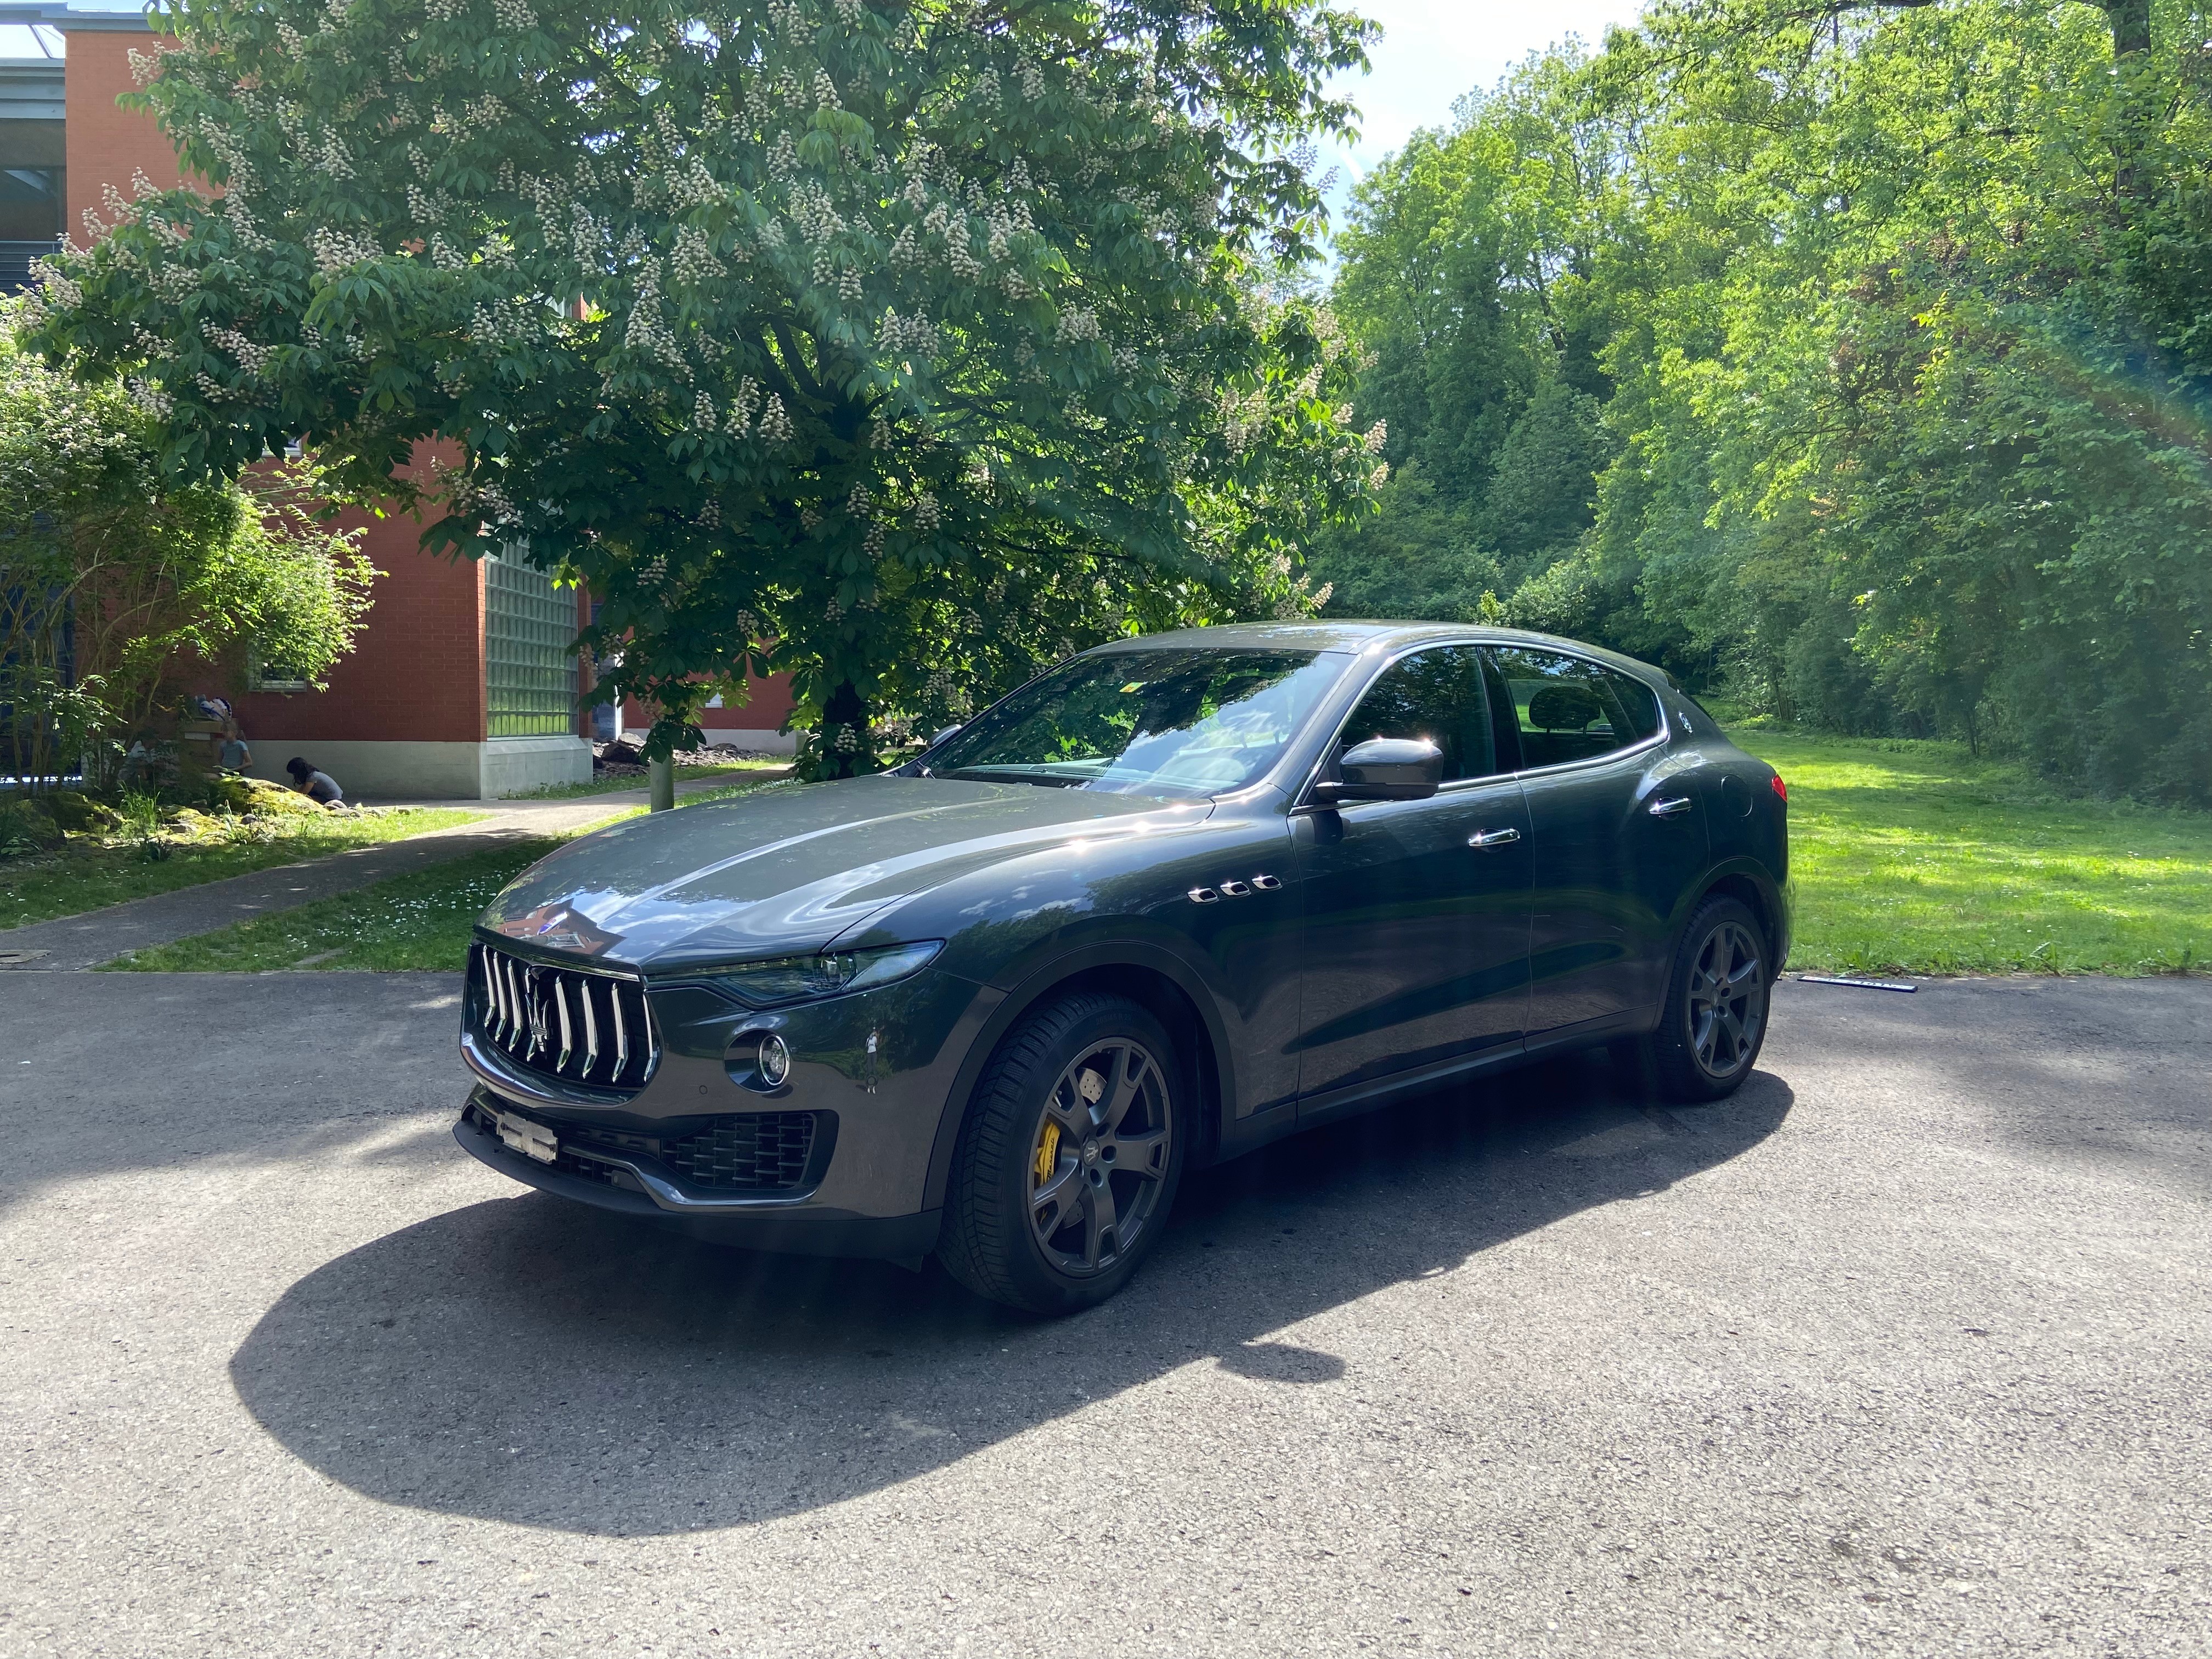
<point x="1168" y="722"/>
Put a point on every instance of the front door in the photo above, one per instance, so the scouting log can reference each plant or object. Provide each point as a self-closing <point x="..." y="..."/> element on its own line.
<point x="1620" y="831"/>
<point x="1414" y="923"/>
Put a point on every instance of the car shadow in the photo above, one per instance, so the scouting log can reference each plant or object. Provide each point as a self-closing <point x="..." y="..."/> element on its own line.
<point x="532" y="1360"/>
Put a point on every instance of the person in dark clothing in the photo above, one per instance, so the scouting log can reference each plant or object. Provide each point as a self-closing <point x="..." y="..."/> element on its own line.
<point x="317" y="787"/>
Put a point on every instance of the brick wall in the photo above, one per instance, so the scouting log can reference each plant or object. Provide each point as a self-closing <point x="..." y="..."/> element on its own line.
<point x="418" y="673"/>
<point x="771" y="702"/>
<point x="104" y="145"/>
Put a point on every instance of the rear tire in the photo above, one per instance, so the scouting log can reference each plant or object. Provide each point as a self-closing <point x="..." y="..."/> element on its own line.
<point x="1714" y="1021"/>
<point x="1069" y="1157"/>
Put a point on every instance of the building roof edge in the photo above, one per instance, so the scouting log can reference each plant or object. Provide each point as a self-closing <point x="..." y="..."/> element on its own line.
<point x="71" y="14"/>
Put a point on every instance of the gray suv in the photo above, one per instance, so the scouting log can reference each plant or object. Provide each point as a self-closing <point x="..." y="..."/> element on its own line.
<point x="1176" y="898"/>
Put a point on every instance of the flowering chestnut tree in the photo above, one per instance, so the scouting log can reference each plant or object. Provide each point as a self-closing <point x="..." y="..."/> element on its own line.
<point x="904" y="343"/>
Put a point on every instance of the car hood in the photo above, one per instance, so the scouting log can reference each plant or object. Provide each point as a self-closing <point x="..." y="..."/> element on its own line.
<point x="786" y="870"/>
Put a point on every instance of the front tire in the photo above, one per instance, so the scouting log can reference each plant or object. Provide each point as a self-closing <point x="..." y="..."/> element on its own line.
<point x="1714" y="1022"/>
<point x="1069" y="1157"/>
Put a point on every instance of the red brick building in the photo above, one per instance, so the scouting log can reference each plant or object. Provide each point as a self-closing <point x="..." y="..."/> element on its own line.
<point x="461" y="685"/>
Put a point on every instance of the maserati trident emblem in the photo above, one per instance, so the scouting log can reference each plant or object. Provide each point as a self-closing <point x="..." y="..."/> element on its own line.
<point x="541" y="1034"/>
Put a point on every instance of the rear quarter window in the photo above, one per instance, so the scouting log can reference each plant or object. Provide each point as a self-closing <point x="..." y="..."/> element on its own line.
<point x="1570" y="709"/>
<point x="1638" y="701"/>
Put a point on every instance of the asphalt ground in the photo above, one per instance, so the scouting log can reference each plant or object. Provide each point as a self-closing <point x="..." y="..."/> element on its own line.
<point x="1902" y="1351"/>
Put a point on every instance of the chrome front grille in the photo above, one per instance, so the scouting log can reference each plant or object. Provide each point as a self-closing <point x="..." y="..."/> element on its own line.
<point x="580" y="1027"/>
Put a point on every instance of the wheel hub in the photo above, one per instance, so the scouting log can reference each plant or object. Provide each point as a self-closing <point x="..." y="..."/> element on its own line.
<point x="1100" y="1158"/>
<point x="1728" y="999"/>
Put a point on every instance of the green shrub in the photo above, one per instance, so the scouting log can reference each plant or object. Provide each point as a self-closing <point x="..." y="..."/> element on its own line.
<point x="247" y="795"/>
<point x="79" y="814"/>
<point x="142" y="814"/>
<point x="26" y="826"/>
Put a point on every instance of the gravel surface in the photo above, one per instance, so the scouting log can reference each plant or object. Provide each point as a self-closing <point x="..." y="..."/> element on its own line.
<point x="1903" y="1351"/>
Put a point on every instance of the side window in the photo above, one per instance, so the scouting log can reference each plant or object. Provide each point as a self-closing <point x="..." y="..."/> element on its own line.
<point x="1568" y="708"/>
<point x="1639" y="701"/>
<point x="1437" y="694"/>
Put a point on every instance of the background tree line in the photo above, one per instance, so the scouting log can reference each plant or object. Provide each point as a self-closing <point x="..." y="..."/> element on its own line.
<point x="1851" y="360"/>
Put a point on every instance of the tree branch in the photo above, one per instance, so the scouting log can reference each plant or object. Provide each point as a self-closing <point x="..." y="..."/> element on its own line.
<point x="794" y="366"/>
<point x="2129" y="20"/>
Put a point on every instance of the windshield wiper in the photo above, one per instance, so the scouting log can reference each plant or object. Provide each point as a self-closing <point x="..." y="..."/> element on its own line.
<point x="1013" y="774"/>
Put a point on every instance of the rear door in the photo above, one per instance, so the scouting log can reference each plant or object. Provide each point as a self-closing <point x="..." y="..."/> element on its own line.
<point x="1619" y="825"/>
<point x="1414" y="929"/>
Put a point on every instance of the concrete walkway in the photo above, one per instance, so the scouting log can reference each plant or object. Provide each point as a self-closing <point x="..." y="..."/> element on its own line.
<point x="97" y="936"/>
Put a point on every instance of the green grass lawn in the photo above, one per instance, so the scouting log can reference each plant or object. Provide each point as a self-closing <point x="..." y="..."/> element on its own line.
<point x="606" y="786"/>
<point x="1909" y="858"/>
<point x="1914" y="858"/>
<point x="86" y="875"/>
<point x="417" y="920"/>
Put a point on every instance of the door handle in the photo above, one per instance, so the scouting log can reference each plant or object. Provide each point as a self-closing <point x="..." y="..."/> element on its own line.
<point x="1667" y="809"/>
<point x="1492" y="837"/>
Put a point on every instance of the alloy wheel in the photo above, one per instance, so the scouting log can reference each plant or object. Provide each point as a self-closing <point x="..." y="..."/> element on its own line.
<point x="1728" y="999"/>
<point x="1101" y="1157"/>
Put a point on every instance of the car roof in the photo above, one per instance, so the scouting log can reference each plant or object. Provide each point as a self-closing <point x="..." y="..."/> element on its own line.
<point x="1359" y="636"/>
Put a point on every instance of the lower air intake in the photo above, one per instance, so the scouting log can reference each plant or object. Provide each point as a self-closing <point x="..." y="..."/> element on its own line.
<point x="754" y="1152"/>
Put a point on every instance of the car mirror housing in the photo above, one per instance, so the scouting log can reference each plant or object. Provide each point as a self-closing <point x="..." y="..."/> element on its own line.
<point x="1385" y="768"/>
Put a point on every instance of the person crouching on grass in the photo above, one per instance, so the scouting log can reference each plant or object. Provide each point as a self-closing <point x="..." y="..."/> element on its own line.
<point x="317" y="787"/>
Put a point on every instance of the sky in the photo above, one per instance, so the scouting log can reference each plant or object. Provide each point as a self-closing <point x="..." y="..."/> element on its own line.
<point x="1432" y="50"/>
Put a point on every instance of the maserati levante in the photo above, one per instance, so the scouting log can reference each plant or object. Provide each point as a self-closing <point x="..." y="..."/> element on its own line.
<point x="1174" y="898"/>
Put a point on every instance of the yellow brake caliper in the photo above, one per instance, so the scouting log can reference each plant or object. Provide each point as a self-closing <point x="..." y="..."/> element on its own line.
<point x="1048" y="1155"/>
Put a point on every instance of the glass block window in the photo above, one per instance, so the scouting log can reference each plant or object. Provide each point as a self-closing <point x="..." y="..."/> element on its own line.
<point x="530" y="678"/>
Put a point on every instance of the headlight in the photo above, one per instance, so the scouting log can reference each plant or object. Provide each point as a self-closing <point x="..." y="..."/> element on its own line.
<point x="796" y="979"/>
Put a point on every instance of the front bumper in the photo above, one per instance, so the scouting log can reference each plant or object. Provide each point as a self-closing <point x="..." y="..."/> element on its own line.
<point x="637" y="1183"/>
<point x="874" y="1070"/>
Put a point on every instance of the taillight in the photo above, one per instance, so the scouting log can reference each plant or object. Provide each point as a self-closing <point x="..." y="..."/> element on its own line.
<point x="1781" y="790"/>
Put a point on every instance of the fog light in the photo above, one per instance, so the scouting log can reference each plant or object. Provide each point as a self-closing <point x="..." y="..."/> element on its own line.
<point x="775" y="1062"/>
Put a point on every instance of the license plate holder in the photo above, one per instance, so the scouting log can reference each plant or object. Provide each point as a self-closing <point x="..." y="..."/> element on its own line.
<point x="532" y="1140"/>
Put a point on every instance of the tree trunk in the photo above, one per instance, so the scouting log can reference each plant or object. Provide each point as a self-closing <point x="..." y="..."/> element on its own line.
<point x="2130" y="24"/>
<point x="2130" y="20"/>
<point x="845" y="732"/>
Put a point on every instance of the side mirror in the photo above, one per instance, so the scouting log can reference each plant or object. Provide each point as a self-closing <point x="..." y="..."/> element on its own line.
<point x="1385" y="768"/>
<point x="941" y="735"/>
